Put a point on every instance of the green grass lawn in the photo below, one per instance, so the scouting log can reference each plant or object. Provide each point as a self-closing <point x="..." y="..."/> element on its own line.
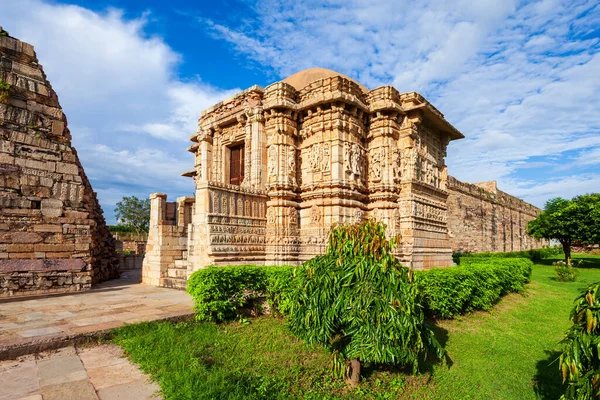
<point x="505" y="354"/>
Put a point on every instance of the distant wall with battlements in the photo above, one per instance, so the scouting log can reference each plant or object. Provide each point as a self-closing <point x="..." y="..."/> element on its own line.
<point x="482" y="218"/>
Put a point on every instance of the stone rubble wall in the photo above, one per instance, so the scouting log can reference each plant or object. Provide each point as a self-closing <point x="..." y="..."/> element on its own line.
<point x="482" y="218"/>
<point x="167" y="237"/>
<point x="53" y="236"/>
<point x="128" y="262"/>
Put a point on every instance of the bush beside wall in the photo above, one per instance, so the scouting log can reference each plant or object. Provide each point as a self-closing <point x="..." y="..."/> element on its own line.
<point x="220" y="292"/>
<point x="534" y="255"/>
<point x="476" y="285"/>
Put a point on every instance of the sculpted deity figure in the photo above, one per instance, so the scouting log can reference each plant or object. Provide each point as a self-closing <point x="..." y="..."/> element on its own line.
<point x="376" y="165"/>
<point x="315" y="157"/>
<point x="270" y="216"/>
<point x="355" y="160"/>
<point x="396" y="164"/>
<point x="293" y="216"/>
<point x="347" y="158"/>
<point x="358" y="216"/>
<point x="291" y="164"/>
<point x="315" y="215"/>
<point x="224" y="204"/>
<point x="325" y="160"/>
<point x="272" y="160"/>
<point x="198" y="176"/>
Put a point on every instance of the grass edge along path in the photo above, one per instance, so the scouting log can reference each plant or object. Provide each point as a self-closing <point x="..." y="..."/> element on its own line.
<point x="503" y="354"/>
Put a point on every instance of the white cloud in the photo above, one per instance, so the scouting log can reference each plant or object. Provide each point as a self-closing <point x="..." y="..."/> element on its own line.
<point x="129" y="113"/>
<point x="519" y="79"/>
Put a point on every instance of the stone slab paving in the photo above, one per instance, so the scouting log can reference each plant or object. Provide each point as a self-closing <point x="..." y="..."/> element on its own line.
<point x="41" y="323"/>
<point x="99" y="372"/>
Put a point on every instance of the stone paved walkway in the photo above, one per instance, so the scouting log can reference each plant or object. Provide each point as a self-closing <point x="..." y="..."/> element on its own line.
<point x="88" y="373"/>
<point x="25" y="322"/>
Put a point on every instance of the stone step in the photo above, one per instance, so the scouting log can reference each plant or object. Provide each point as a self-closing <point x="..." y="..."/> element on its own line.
<point x="181" y="263"/>
<point x="177" y="273"/>
<point x="174" y="283"/>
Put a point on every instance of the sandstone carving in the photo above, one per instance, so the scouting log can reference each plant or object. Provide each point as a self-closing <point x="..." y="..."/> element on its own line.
<point x="320" y="149"/>
<point x="53" y="237"/>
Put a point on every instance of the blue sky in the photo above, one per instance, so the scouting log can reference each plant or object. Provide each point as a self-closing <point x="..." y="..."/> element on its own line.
<point x="520" y="79"/>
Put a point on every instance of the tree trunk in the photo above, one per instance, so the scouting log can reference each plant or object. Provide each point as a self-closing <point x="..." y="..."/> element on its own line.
<point x="355" y="372"/>
<point x="566" y="245"/>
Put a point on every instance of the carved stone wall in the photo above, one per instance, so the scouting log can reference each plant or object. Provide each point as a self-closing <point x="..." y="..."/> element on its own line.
<point x="53" y="237"/>
<point x="483" y="218"/>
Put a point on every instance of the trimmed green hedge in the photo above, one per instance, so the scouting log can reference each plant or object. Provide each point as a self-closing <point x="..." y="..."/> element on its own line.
<point x="478" y="284"/>
<point x="534" y="255"/>
<point x="219" y="292"/>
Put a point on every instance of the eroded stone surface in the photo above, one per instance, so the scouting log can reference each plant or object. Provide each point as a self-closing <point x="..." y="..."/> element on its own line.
<point x="50" y="218"/>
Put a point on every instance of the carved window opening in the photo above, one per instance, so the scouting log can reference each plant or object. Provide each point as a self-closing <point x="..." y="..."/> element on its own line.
<point x="236" y="165"/>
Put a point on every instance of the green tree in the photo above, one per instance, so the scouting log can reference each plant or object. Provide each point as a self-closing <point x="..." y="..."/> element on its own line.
<point x="569" y="222"/>
<point x="134" y="212"/>
<point x="360" y="303"/>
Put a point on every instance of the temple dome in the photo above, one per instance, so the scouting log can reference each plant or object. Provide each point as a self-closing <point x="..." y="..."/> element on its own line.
<point x="301" y="79"/>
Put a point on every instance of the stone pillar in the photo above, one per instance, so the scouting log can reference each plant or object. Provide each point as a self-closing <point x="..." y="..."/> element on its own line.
<point x="282" y="245"/>
<point x="258" y="161"/>
<point x="152" y="267"/>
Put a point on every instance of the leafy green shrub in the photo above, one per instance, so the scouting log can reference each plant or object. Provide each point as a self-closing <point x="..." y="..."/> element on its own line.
<point x="534" y="255"/>
<point x="279" y="286"/>
<point x="565" y="272"/>
<point x="220" y="292"/>
<point x="580" y="361"/>
<point x="121" y="228"/>
<point x="360" y="303"/>
<point x="477" y="284"/>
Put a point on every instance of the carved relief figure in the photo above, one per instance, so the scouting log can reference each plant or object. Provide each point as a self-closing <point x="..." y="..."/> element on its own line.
<point x="291" y="164"/>
<point x="224" y="204"/>
<point x="376" y="165"/>
<point x="358" y="216"/>
<point x="326" y="160"/>
<point x="315" y="215"/>
<point x="348" y="158"/>
<point x="198" y="176"/>
<point x="315" y="157"/>
<point x="396" y="164"/>
<point x="270" y="216"/>
<point x="215" y="198"/>
<point x="355" y="160"/>
<point x="240" y="207"/>
<point x="293" y="216"/>
<point x="272" y="160"/>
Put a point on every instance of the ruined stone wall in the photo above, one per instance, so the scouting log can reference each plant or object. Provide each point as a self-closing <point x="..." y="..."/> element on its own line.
<point x="53" y="236"/>
<point x="167" y="237"/>
<point x="482" y="218"/>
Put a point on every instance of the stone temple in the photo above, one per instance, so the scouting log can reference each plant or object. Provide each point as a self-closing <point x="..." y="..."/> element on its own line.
<point x="275" y="168"/>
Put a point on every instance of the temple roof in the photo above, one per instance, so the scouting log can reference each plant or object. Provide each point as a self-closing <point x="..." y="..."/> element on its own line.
<point x="301" y="79"/>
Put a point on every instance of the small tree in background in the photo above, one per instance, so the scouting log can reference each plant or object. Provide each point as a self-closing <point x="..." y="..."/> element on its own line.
<point x="569" y="222"/>
<point x="360" y="303"/>
<point x="134" y="212"/>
